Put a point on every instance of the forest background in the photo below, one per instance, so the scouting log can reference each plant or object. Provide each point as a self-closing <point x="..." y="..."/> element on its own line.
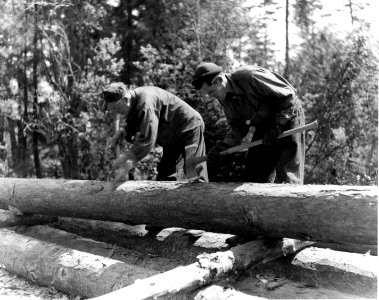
<point x="56" y="56"/>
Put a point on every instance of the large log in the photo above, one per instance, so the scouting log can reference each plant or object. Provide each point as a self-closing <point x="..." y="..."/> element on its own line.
<point x="168" y="242"/>
<point x="70" y="271"/>
<point x="340" y="214"/>
<point x="337" y="271"/>
<point x="153" y="263"/>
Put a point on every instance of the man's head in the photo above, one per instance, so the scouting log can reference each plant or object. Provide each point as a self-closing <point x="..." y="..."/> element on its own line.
<point x="209" y="79"/>
<point x="116" y="98"/>
<point x="205" y="72"/>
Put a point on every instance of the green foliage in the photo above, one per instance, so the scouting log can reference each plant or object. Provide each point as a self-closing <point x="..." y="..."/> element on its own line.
<point x="84" y="45"/>
<point x="338" y="85"/>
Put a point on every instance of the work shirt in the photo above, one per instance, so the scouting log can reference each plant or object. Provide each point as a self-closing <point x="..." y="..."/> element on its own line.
<point x="158" y="117"/>
<point x="257" y="97"/>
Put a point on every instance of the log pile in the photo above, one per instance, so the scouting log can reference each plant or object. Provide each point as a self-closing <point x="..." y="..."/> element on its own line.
<point x="241" y="227"/>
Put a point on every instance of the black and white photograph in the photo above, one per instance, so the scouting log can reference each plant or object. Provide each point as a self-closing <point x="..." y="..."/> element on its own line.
<point x="189" y="150"/>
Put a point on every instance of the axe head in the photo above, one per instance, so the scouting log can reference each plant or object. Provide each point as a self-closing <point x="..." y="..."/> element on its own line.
<point x="191" y="171"/>
<point x="191" y="162"/>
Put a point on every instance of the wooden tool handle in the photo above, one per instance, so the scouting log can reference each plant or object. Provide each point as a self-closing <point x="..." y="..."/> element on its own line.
<point x="231" y="150"/>
<point x="196" y="160"/>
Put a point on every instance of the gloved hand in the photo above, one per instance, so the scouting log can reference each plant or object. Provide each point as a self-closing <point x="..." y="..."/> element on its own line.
<point x="214" y="156"/>
<point x="272" y="136"/>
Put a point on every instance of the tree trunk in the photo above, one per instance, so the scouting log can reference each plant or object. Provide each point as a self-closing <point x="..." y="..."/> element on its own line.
<point x="68" y="270"/>
<point x="208" y="268"/>
<point x="340" y="214"/>
<point x="287" y="62"/>
<point x="37" y="162"/>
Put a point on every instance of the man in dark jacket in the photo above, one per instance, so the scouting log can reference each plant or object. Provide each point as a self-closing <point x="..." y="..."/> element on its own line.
<point x="260" y="101"/>
<point x="155" y="116"/>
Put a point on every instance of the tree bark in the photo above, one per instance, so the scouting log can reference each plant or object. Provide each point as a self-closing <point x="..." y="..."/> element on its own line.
<point x="287" y="61"/>
<point x="336" y="214"/>
<point x="208" y="268"/>
<point x="68" y="270"/>
<point x="37" y="162"/>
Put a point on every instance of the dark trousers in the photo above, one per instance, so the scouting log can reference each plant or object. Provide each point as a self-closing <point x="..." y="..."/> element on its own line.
<point x="190" y="144"/>
<point x="280" y="163"/>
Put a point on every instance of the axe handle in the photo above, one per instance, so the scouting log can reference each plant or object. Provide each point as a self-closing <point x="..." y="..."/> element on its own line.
<point x="197" y="160"/>
<point x="231" y="150"/>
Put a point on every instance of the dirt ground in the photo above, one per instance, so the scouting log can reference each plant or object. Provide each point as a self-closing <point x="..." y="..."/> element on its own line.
<point x="14" y="287"/>
<point x="167" y="249"/>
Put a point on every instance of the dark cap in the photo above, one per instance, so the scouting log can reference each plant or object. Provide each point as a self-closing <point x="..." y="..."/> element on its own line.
<point x="114" y="92"/>
<point x="206" y="70"/>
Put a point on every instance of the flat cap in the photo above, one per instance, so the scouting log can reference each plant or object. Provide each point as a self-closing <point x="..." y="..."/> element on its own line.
<point x="203" y="71"/>
<point x="114" y="92"/>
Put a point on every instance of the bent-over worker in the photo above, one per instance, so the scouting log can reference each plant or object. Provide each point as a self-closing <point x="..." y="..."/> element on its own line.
<point x="254" y="96"/>
<point x="155" y="116"/>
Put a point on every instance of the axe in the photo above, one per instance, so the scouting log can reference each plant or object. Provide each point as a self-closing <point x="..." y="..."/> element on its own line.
<point x="193" y="161"/>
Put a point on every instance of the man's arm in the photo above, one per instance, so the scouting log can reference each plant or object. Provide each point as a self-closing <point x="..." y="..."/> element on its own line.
<point x="146" y="138"/>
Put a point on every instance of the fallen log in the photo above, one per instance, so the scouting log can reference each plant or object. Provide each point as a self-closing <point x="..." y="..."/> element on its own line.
<point x="70" y="271"/>
<point x="73" y="241"/>
<point x="352" y="248"/>
<point x="209" y="268"/>
<point x="168" y="242"/>
<point x="336" y="214"/>
<point x="8" y="219"/>
<point x="348" y="272"/>
<point x="338" y="271"/>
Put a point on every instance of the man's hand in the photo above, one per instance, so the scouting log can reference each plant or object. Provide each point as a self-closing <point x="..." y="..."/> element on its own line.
<point x="122" y="165"/>
<point x="116" y="138"/>
<point x="122" y="174"/>
<point x="119" y="161"/>
<point x="214" y="155"/>
<point x="272" y="136"/>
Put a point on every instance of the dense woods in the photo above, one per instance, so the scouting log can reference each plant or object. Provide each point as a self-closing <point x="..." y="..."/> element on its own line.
<point x="57" y="56"/>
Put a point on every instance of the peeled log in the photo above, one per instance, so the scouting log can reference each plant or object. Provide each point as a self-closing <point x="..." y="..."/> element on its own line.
<point x="70" y="271"/>
<point x="337" y="214"/>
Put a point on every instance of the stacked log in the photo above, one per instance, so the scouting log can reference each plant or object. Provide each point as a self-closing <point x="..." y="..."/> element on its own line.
<point x="299" y="214"/>
<point x="332" y="214"/>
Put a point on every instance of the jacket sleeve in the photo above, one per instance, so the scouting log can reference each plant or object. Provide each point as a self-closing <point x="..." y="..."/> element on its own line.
<point x="146" y="137"/>
<point x="234" y="134"/>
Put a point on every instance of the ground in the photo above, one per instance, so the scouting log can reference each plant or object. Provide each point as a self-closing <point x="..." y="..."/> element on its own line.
<point x="14" y="287"/>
